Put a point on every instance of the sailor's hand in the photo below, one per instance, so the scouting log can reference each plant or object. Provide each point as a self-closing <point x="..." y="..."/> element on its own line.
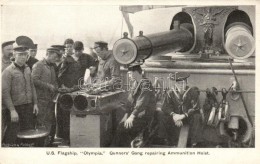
<point x="178" y="123"/>
<point x="35" y="109"/>
<point x="178" y="117"/>
<point x="129" y="122"/>
<point x="124" y="118"/>
<point x="14" y="116"/>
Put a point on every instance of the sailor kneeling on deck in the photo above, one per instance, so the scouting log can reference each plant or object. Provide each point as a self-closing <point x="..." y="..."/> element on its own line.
<point x="180" y="108"/>
<point x="140" y="109"/>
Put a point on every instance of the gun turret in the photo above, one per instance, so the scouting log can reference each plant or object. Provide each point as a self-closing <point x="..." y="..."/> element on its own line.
<point x="202" y="31"/>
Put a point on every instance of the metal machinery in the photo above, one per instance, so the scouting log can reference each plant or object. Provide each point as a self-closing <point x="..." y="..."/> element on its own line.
<point x="92" y="117"/>
<point x="216" y="45"/>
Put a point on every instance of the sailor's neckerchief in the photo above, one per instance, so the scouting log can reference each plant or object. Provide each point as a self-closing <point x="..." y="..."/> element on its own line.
<point x="136" y="89"/>
<point x="134" y="92"/>
<point x="180" y="98"/>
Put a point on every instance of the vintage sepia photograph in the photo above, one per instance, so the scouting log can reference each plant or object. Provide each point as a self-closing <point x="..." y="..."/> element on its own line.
<point x="154" y="76"/>
<point x="161" y="77"/>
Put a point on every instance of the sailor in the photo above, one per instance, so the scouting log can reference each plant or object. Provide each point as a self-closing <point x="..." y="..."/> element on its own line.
<point x="18" y="95"/>
<point x="26" y="41"/>
<point x="60" y="47"/>
<point x="74" y="66"/>
<point x="45" y="81"/>
<point x="7" y="53"/>
<point x="57" y="67"/>
<point x="58" y="62"/>
<point x="71" y="75"/>
<point x="68" y="43"/>
<point x="140" y="109"/>
<point x="31" y="58"/>
<point x="33" y="50"/>
<point x="108" y="67"/>
<point x="179" y="106"/>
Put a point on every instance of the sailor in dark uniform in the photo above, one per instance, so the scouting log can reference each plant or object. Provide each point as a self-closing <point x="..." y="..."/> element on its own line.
<point x="31" y="58"/>
<point x="58" y="62"/>
<point x="179" y="106"/>
<point x="33" y="50"/>
<point x="68" y="43"/>
<point x="57" y="67"/>
<point x="140" y="109"/>
<point x="74" y="66"/>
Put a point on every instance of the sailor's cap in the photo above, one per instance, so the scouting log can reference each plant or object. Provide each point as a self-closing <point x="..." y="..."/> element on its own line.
<point x="60" y="47"/>
<point x="100" y="44"/>
<point x="21" y="49"/>
<point x="7" y="43"/>
<point x="55" y="50"/>
<point x="179" y="76"/>
<point x="35" y="46"/>
<point x="25" y="41"/>
<point x="51" y="49"/>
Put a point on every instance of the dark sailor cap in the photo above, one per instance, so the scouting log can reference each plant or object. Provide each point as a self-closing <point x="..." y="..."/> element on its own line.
<point x="60" y="47"/>
<point x="135" y="64"/>
<point x="55" y="50"/>
<point x="25" y="41"/>
<point x="21" y="49"/>
<point x="101" y="44"/>
<point x="7" y="43"/>
<point x="135" y="67"/>
<point x="35" y="46"/>
<point x="179" y="76"/>
<point x="51" y="49"/>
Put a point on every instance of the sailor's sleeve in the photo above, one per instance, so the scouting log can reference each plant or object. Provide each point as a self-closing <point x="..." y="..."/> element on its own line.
<point x="36" y="77"/>
<point x="6" y="89"/>
<point x="142" y="101"/>
<point x="35" y="100"/>
<point x="168" y="107"/>
<point x="115" y="74"/>
<point x="192" y="102"/>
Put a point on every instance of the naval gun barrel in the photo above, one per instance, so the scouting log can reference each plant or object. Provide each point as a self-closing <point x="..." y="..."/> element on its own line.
<point x="179" y="39"/>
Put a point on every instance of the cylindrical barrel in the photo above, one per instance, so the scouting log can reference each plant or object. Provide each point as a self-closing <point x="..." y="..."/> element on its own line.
<point x="239" y="42"/>
<point x="179" y="39"/>
<point x="66" y="102"/>
<point x="81" y="102"/>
